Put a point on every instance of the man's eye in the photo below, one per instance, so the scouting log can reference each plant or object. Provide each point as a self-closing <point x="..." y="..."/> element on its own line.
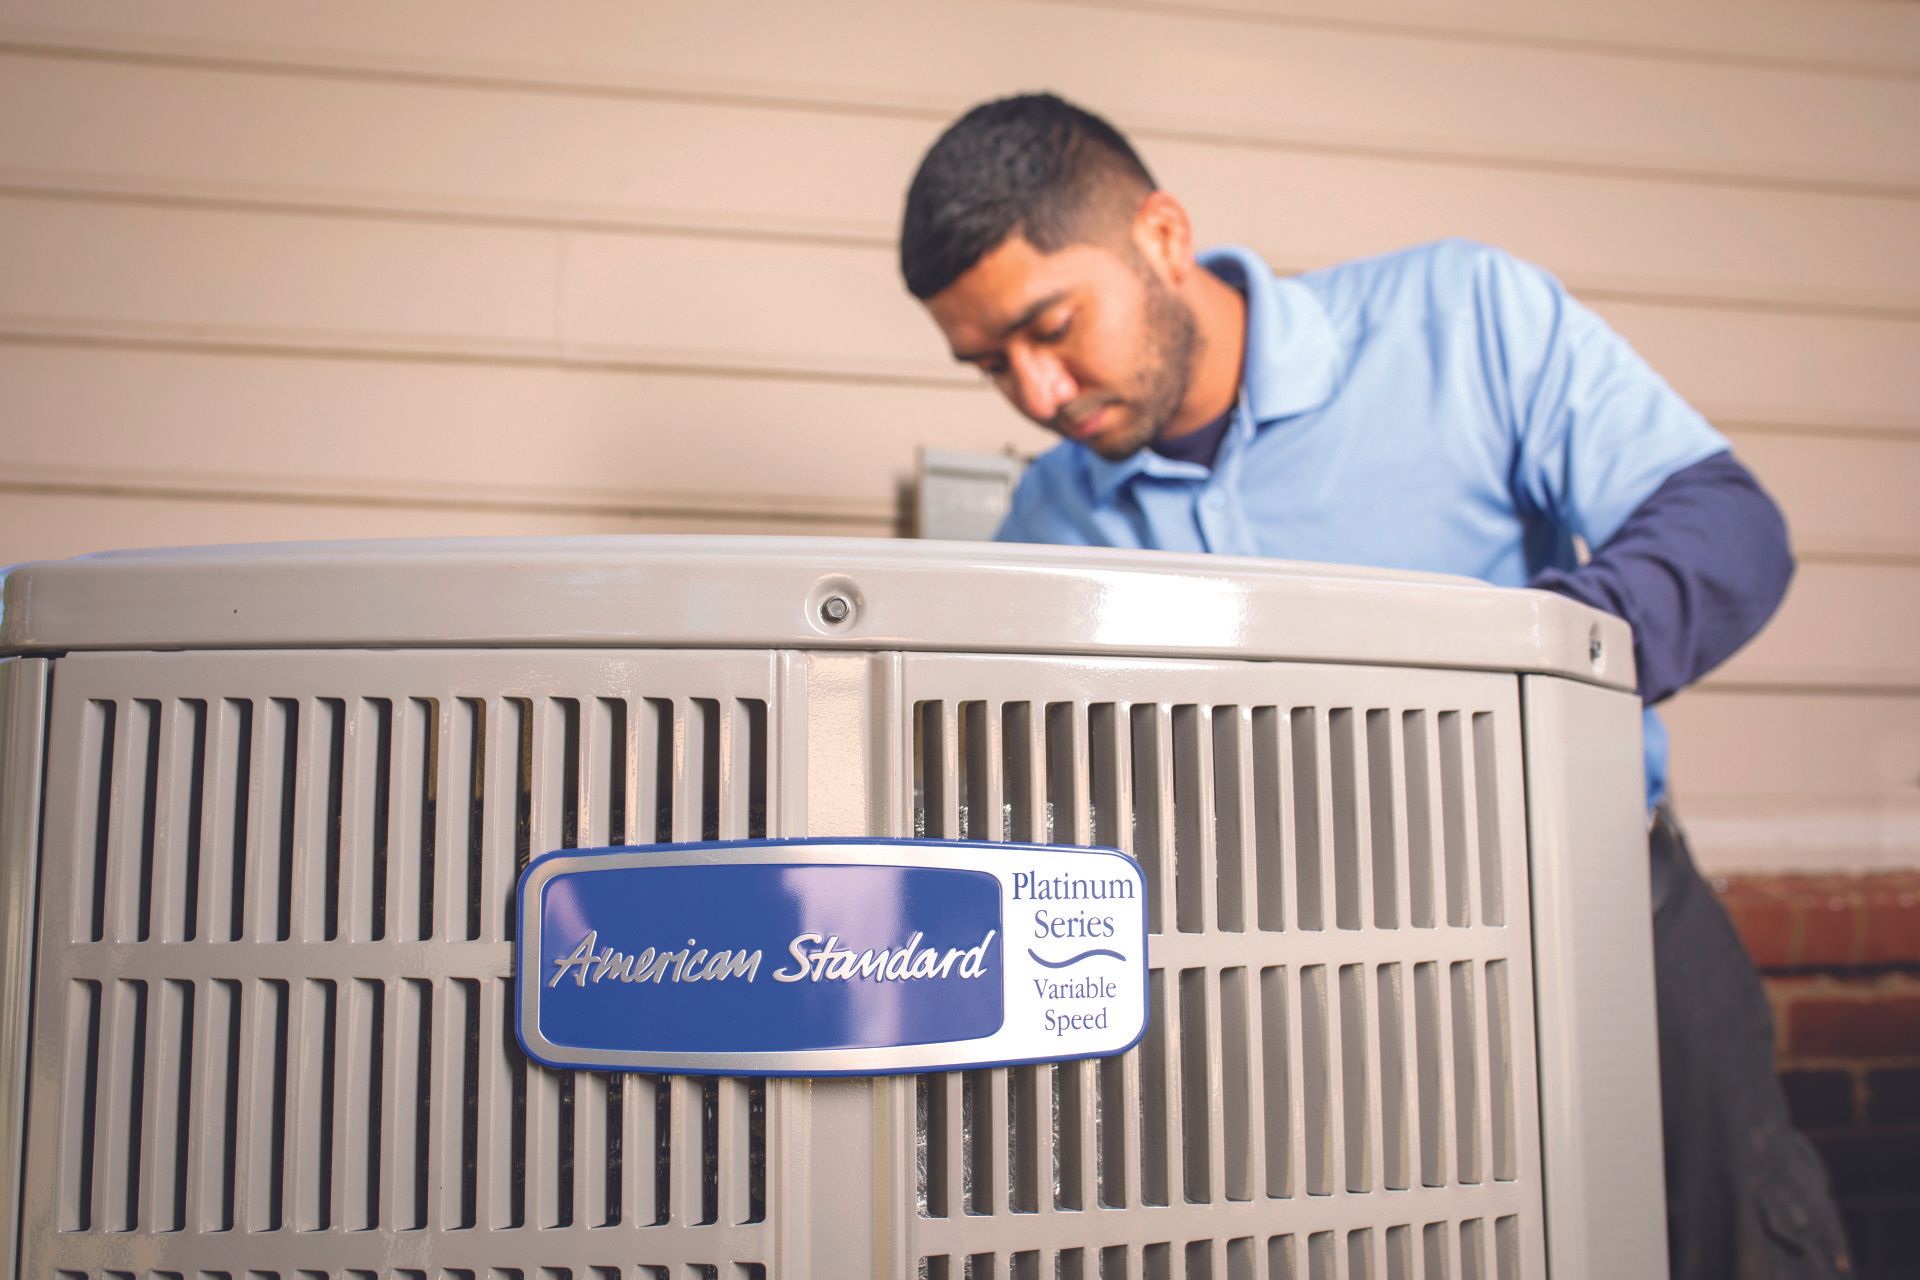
<point x="1056" y="333"/>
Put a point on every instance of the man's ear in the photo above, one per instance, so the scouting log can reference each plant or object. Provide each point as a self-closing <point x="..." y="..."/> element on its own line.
<point x="1164" y="235"/>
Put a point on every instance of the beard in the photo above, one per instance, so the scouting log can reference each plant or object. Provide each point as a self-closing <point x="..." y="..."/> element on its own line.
<point x="1165" y="368"/>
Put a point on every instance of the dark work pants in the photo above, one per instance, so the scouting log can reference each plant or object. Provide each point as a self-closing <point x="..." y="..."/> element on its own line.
<point x="1747" y="1197"/>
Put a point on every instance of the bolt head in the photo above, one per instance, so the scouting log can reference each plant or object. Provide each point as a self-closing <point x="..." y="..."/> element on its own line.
<point x="1593" y="648"/>
<point x="835" y="609"/>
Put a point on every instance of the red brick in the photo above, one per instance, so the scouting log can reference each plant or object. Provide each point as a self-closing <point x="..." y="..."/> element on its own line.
<point x="1892" y="926"/>
<point x="1854" y="1026"/>
<point x="1893" y="1096"/>
<point x="1826" y="921"/>
<point x="1766" y="925"/>
<point x="1819" y="1099"/>
<point x="1831" y="928"/>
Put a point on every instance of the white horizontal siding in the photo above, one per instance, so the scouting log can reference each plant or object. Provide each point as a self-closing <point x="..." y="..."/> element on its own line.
<point x="1785" y="780"/>
<point x="1862" y="38"/>
<point x="54" y="525"/>
<point x="460" y="153"/>
<point x="80" y="268"/>
<point x="558" y="434"/>
<point x="479" y="433"/>
<point x="1379" y="84"/>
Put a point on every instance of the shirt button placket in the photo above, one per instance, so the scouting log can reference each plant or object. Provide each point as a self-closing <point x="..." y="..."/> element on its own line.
<point x="1212" y="525"/>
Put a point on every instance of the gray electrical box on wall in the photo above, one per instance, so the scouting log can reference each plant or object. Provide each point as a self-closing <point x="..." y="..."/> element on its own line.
<point x="263" y="809"/>
<point x="963" y="497"/>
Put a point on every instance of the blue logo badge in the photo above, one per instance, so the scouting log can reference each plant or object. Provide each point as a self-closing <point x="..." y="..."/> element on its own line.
<point x="819" y="957"/>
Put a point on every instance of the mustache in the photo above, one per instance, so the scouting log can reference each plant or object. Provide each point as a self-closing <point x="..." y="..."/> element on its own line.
<point x="1081" y="409"/>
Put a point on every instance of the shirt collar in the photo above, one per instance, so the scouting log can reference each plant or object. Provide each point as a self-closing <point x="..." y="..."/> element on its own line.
<point x="1291" y="366"/>
<point x="1292" y="362"/>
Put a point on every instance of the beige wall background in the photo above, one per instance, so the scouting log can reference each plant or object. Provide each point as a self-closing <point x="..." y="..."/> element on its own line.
<point x="279" y="270"/>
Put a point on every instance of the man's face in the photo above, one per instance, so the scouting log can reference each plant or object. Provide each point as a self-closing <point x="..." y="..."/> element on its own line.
<point x="1086" y="342"/>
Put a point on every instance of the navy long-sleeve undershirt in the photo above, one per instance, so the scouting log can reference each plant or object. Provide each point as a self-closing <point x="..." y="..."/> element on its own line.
<point x="1697" y="569"/>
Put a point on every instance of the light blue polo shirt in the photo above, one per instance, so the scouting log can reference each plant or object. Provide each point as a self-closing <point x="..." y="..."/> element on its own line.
<point x="1445" y="408"/>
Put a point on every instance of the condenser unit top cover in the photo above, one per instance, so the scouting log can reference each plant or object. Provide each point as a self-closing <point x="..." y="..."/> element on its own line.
<point x="805" y="592"/>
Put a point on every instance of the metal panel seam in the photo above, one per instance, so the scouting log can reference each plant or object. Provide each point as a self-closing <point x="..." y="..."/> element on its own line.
<point x="1527" y="800"/>
<point x="19" y="899"/>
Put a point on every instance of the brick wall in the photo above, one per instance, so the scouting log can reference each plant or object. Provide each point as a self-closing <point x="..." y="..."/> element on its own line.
<point x="1841" y="959"/>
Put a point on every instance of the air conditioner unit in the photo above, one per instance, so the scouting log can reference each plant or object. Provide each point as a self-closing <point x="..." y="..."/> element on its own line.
<point x="263" y="810"/>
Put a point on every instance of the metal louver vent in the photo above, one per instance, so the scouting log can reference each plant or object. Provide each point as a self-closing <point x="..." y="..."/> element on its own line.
<point x="274" y="962"/>
<point x="1335" y="1081"/>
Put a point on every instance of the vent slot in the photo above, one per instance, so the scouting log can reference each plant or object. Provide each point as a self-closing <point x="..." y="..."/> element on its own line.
<point x="1067" y="819"/>
<point x="1393" y="1079"/>
<point x="1320" y="1256"/>
<point x="1487" y="813"/>
<point x="146" y="777"/>
<point x="941" y="1115"/>
<point x="1433" y="1246"/>
<point x="1466" y="1075"/>
<point x="973" y="758"/>
<point x="1192" y="820"/>
<point x="1383" y="807"/>
<point x="657" y="782"/>
<point x="1416" y="739"/>
<point x="1360" y="1254"/>
<point x="1023" y="1135"/>
<point x="930" y="772"/>
<point x="1277" y="1033"/>
<point x="1435" y="1075"/>
<point x="170" y="1112"/>
<point x="1308" y="854"/>
<point x="1156" y="1149"/>
<point x="1267" y="785"/>
<point x="1500" y="1073"/>
<point x="229" y="814"/>
<point x="1399" y="1253"/>
<point x="1239" y="1140"/>
<point x="1357" y="1077"/>
<point x="1152" y="774"/>
<point x="324" y="872"/>
<point x="1316" y="1079"/>
<point x="1118" y="1082"/>
<point x="1018" y="792"/>
<point x="120" y="1140"/>
<point x="414" y="817"/>
<point x="79" y="1117"/>
<point x="1343" y="758"/>
<point x="314" y="1077"/>
<point x="1473" y="1250"/>
<point x="1107" y="794"/>
<point x="99" y="725"/>
<point x="408" y="1104"/>
<point x="219" y="1173"/>
<point x="1229" y="819"/>
<point x="984" y="1131"/>
<point x="1072" y="1122"/>
<point x="1196" y="1085"/>
<point x="1454" y="800"/>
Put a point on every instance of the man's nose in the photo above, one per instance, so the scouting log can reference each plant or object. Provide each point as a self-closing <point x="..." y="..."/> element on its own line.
<point x="1041" y="384"/>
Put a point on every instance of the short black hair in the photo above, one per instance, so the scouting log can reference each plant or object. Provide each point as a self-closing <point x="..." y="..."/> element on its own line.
<point x="1034" y="164"/>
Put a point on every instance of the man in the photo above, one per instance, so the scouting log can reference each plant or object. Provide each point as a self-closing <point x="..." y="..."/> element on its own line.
<point x="1444" y="408"/>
